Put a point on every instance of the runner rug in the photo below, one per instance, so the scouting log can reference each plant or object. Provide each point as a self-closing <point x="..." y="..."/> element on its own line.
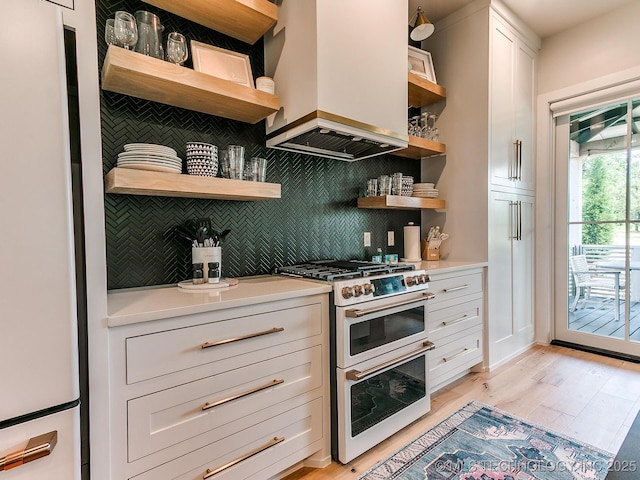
<point x="480" y="442"/>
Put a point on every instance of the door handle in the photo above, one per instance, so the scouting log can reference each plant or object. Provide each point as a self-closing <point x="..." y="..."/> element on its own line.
<point x="355" y="375"/>
<point x="37" y="447"/>
<point x="357" y="313"/>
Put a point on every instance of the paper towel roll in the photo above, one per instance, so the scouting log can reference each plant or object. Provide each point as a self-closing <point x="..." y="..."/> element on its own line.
<point x="412" y="243"/>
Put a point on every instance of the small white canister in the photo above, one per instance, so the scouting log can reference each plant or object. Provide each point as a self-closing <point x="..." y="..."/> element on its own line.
<point x="207" y="255"/>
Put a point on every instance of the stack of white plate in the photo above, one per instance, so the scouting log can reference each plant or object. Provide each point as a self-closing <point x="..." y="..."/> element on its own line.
<point x="148" y="156"/>
<point x="425" y="190"/>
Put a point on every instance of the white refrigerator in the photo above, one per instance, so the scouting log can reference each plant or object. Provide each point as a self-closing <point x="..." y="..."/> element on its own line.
<point x="39" y="386"/>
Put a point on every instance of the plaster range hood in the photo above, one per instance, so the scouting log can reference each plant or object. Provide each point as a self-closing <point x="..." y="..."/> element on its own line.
<point x="342" y="82"/>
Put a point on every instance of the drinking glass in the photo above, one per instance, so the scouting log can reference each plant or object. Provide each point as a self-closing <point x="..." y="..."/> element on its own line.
<point x="176" y="48"/>
<point x="396" y="184"/>
<point x="434" y="134"/>
<point x="384" y="184"/>
<point x="372" y="187"/>
<point x="233" y="162"/>
<point x="425" y="130"/>
<point x="126" y="29"/>
<point x="109" y="32"/>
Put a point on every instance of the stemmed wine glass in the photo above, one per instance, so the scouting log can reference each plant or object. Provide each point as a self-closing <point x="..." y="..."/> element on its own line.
<point x="126" y="29"/>
<point x="176" y="48"/>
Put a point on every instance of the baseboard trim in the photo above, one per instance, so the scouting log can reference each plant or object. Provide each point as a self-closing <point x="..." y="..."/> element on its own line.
<point x="597" y="351"/>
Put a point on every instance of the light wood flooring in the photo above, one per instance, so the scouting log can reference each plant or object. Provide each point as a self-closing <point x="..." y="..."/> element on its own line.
<point x="589" y="397"/>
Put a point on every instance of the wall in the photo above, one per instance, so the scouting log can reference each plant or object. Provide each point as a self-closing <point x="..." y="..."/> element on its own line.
<point x="317" y="216"/>
<point x="591" y="50"/>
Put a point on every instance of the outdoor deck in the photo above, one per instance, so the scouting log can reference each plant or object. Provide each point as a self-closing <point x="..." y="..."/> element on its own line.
<point x="597" y="317"/>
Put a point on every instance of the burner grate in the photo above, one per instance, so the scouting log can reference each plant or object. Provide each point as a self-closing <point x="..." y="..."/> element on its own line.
<point x="331" y="270"/>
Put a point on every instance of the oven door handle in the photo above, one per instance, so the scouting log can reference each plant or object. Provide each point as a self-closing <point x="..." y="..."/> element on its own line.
<point x="356" y="375"/>
<point x="357" y="313"/>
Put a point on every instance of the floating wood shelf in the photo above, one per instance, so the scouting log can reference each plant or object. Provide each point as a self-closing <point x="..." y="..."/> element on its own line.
<point x="421" y="147"/>
<point x="246" y="20"/>
<point x="397" y="202"/>
<point x="423" y="92"/>
<point x="160" y="184"/>
<point x="138" y="75"/>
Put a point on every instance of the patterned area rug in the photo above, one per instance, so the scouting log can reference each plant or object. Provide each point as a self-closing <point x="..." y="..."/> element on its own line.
<point x="479" y="442"/>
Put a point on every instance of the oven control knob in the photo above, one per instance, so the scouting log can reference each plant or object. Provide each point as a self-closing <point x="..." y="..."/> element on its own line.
<point x="347" y="292"/>
<point x="424" y="279"/>
<point x="368" y="289"/>
<point x="358" y="290"/>
<point x="410" y="281"/>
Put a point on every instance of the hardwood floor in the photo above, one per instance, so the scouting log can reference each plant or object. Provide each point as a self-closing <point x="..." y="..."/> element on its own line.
<point x="589" y="397"/>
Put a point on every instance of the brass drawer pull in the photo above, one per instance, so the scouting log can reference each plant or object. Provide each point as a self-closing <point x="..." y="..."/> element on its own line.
<point x="448" y="359"/>
<point x="36" y="448"/>
<point x="208" y="405"/>
<point x="357" y="313"/>
<point x="451" y="322"/>
<point x="455" y="289"/>
<point x="244" y="337"/>
<point x="210" y="473"/>
<point x="355" y="375"/>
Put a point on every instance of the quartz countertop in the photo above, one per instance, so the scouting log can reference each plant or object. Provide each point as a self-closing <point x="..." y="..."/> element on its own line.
<point x="144" y="304"/>
<point x="447" y="266"/>
<point x="134" y="305"/>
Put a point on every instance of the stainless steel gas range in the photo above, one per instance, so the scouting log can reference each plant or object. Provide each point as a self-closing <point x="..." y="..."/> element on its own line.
<point x="379" y="349"/>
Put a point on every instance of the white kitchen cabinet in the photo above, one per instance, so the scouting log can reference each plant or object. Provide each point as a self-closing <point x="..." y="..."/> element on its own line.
<point x="512" y="82"/>
<point x="456" y="325"/>
<point x="510" y="275"/>
<point x="243" y="388"/>
<point x="486" y="56"/>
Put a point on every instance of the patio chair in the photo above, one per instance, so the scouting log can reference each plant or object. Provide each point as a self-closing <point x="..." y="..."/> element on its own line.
<point x="586" y="279"/>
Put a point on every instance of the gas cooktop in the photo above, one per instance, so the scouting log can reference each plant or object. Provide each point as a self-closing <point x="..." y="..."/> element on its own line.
<point x="331" y="270"/>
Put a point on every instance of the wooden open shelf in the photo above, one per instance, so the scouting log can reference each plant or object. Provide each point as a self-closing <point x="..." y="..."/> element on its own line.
<point x="421" y="147"/>
<point x="138" y="75"/>
<point x="397" y="202"/>
<point x="160" y="184"/>
<point x="246" y="20"/>
<point x="423" y="92"/>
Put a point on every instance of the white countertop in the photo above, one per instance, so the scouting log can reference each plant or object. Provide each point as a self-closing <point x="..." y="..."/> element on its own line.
<point x="134" y="305"/>
<point x="447" y="266"/>
<point x="143" y="304"/>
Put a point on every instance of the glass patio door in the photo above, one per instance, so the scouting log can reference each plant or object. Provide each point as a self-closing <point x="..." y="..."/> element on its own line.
<point x="597" y="230"/>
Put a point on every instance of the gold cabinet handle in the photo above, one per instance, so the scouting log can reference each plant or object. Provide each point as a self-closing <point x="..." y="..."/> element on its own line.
<point x="451" y="322"/>
<point x="273" y="383"/>
<point x="355" y="375"/>
<point x="36" y="448"/>
<point x="448" y="359"/>
<point x="455" y="289"/>
<point x="244" y="337"/>
<point x="211" y="473"/>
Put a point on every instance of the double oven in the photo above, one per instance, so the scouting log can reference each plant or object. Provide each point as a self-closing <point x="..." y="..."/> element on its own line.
<point x="379" y="351"/>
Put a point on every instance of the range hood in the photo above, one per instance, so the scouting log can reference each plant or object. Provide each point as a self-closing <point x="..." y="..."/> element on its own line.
<point x="342" y="81"/>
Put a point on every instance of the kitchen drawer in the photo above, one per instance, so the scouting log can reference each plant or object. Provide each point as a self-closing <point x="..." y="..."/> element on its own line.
<point x="450" y="358"/>
<point x="450" y="288"/>
<point x="456" y="319"/>
<point x="161" y="353"/>
<point x="262" y="450"/>
<point x="171" y="416"/>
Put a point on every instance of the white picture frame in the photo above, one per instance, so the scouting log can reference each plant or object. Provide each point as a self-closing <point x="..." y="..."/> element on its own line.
<point x="421" y="63"/>
<point x="219" y="62"/>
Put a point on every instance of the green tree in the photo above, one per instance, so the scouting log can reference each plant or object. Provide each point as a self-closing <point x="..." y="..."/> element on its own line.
<point x="597" y="202"/>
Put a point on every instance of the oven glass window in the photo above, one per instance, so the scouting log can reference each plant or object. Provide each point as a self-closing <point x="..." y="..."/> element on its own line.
<point x="381" y="396"/>
<point x="386" y="329"/>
